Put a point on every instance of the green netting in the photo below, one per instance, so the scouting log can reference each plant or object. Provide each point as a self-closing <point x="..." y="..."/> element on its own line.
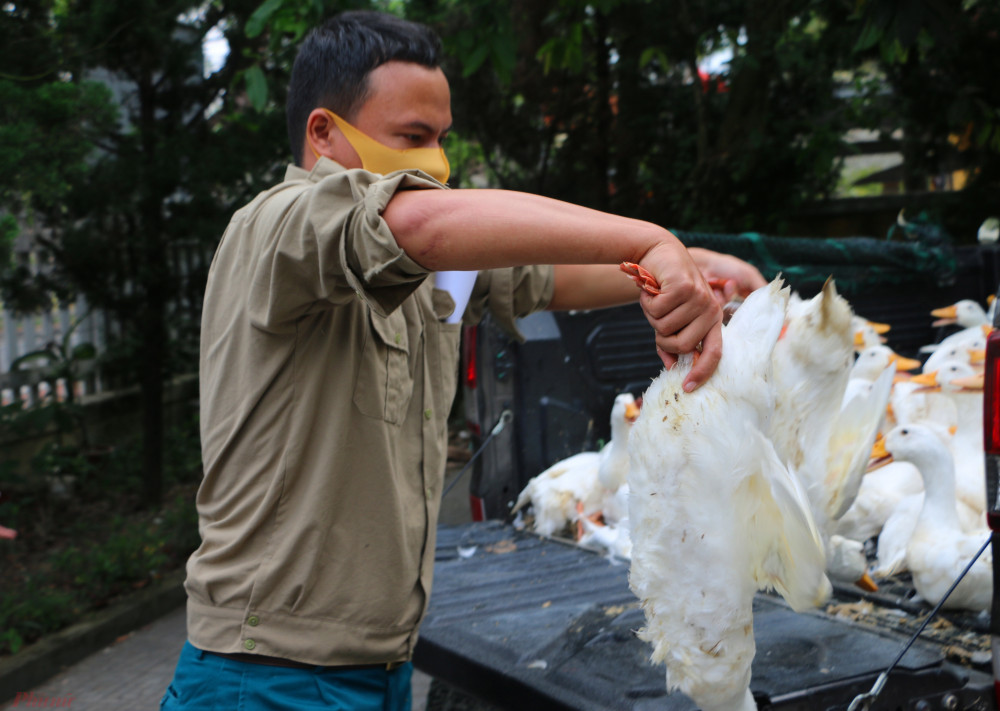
<point x="856" y="263"/>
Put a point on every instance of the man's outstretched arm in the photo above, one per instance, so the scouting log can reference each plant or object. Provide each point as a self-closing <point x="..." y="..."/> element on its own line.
<point x="484" y="229"/>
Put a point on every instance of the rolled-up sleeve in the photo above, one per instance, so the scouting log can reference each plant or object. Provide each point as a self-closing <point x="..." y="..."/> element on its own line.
<point x="511" y="294"/>
<point x="322" y="241"/>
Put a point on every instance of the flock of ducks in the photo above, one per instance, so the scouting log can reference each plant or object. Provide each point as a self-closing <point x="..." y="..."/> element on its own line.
<point x="812" y="438"/>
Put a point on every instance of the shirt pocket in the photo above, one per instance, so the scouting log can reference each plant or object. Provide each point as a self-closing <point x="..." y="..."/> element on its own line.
<point x="384" y="384"/>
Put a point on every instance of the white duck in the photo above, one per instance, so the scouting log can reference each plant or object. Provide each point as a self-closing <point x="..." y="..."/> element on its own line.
<point x="912" y="401"/>
<point x="963" y="385"/>
<point x="613" y="468"/>
<point x="850" y="445"/>
<point x="901" y="499"/>
<point x="573" y="487"/>
<point x="867" y="333"/>
<point x="873" y="360"/>
<point x="969" y="348"/>
<point x="614" y="539"/>
<point x="879" y="495"/>
<point x="811" y="367"/>
<point x="715" y="514"/>
<point x="939" y="549"/>
<point x="614" y="456"/>
<point x="554" y="495"/>
<point x="825" y="444"/>
<point x="890" y="558"/>
<point x="965" y="313"/>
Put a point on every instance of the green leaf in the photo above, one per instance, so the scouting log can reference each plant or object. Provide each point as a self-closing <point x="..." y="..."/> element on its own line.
<point x="260" y="17"/>
<point x="28" y="358"/>
<point x="653" y="53"/>
<point x="983" y="135"/>
<point x="256" y="87"/>
<point x="476" y="59"/>
<point x="870" y="35"/>
<point x="84" y="351"/>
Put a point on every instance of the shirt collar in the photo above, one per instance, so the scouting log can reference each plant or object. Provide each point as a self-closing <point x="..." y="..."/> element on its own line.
<point x="322" y="168"/>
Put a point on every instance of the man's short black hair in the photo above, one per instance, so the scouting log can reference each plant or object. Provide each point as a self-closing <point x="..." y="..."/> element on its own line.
<point x="335" y="59"/>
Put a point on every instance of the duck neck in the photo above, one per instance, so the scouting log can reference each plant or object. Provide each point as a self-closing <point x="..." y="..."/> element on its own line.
<point x="938" y="473"/>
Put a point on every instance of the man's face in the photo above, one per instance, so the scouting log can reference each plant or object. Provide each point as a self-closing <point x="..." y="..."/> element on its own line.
<point x="408" y="106"/>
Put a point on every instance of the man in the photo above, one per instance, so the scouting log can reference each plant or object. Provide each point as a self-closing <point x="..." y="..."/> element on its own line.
<point x="328" y="369"/>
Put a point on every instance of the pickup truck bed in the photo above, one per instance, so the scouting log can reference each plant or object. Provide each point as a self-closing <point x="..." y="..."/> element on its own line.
<point x="526" y="622"/>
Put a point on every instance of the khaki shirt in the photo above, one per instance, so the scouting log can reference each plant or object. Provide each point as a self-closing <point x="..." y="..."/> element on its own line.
<point x="327" y="375"/>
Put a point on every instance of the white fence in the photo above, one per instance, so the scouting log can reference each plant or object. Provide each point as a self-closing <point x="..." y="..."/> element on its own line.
<point x="22" y="334"/>
<point x="30" y="333"/>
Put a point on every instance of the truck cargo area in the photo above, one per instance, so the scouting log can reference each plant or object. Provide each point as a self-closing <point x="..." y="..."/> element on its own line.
<point x="526" y="622"/>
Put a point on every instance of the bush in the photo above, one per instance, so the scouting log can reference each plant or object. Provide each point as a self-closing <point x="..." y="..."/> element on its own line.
<point x="89" y="547"/>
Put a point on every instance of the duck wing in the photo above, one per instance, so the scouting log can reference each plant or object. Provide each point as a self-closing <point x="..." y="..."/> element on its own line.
<point x="851" y="440"/>
<point x="787" y="550"/>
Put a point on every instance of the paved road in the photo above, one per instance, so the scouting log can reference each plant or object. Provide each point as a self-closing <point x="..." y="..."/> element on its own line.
<point x="132" y="673"/>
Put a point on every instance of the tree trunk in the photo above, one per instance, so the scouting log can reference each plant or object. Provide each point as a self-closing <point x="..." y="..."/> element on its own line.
<point x="154" y="272"/>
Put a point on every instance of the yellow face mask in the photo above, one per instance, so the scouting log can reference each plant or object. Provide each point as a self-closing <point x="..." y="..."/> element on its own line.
<point x="381" y="159"/>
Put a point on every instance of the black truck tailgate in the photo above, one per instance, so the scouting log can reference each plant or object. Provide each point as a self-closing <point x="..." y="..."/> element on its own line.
<point x="522" y="622"/>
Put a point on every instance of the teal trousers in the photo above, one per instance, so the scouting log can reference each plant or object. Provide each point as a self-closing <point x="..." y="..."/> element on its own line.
<point x="208" y="682"/>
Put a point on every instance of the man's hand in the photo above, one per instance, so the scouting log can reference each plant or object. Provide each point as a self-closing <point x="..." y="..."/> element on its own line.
<point x="729" y="276"/>
<point x="686" y="315"/>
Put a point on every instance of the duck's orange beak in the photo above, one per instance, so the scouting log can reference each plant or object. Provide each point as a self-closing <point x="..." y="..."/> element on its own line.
<point x="945" y="316"/>
<point x="904" y="363"/>
<point x="973" y="382"/>
<point x="631" y="412"/>
<point x="880" y="455"/>
<point x="866" y="583"/>
<point x="929" y="380"/>
<point x="879" y="328"/>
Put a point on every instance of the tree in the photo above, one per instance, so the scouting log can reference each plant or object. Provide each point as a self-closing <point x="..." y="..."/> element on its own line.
<point x="939" y="58"/>
<point x="118" y="198"/>
<point x="605" y="105"/>
<point x="601" y="102"/>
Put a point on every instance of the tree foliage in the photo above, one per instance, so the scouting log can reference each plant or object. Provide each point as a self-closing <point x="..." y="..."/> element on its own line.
<point x="939" y="58"/>
<point x="605" y="104"/>
<point x="116" y="141"/>
<point x="117" y="144"/>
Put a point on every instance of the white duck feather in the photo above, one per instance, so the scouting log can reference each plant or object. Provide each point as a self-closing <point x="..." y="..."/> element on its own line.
<point x="715" y="514"/>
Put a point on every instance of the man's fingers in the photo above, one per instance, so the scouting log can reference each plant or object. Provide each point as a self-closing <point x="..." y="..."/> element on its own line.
<point x="684" y="328"/>
<point x="669" y="360"/>
<point x="731" y="289"/>
<point x="708" y="361"/>
<point x="688" y="295"/>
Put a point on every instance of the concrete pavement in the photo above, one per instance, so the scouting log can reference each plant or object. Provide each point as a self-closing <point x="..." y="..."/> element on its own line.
<point x="132" y="673"/>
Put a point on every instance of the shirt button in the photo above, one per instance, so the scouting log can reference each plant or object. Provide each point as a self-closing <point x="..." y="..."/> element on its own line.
<point x="428" y="492"/>
<point x="399" y="338"/>
<point x="253" y="620"/>
<point x="428" y="413"/>
<point x="249" y="644"/>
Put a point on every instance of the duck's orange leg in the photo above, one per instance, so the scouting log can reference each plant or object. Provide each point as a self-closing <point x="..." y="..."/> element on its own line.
<point x="647" y="282"/>
<point x="643" y="279"/>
